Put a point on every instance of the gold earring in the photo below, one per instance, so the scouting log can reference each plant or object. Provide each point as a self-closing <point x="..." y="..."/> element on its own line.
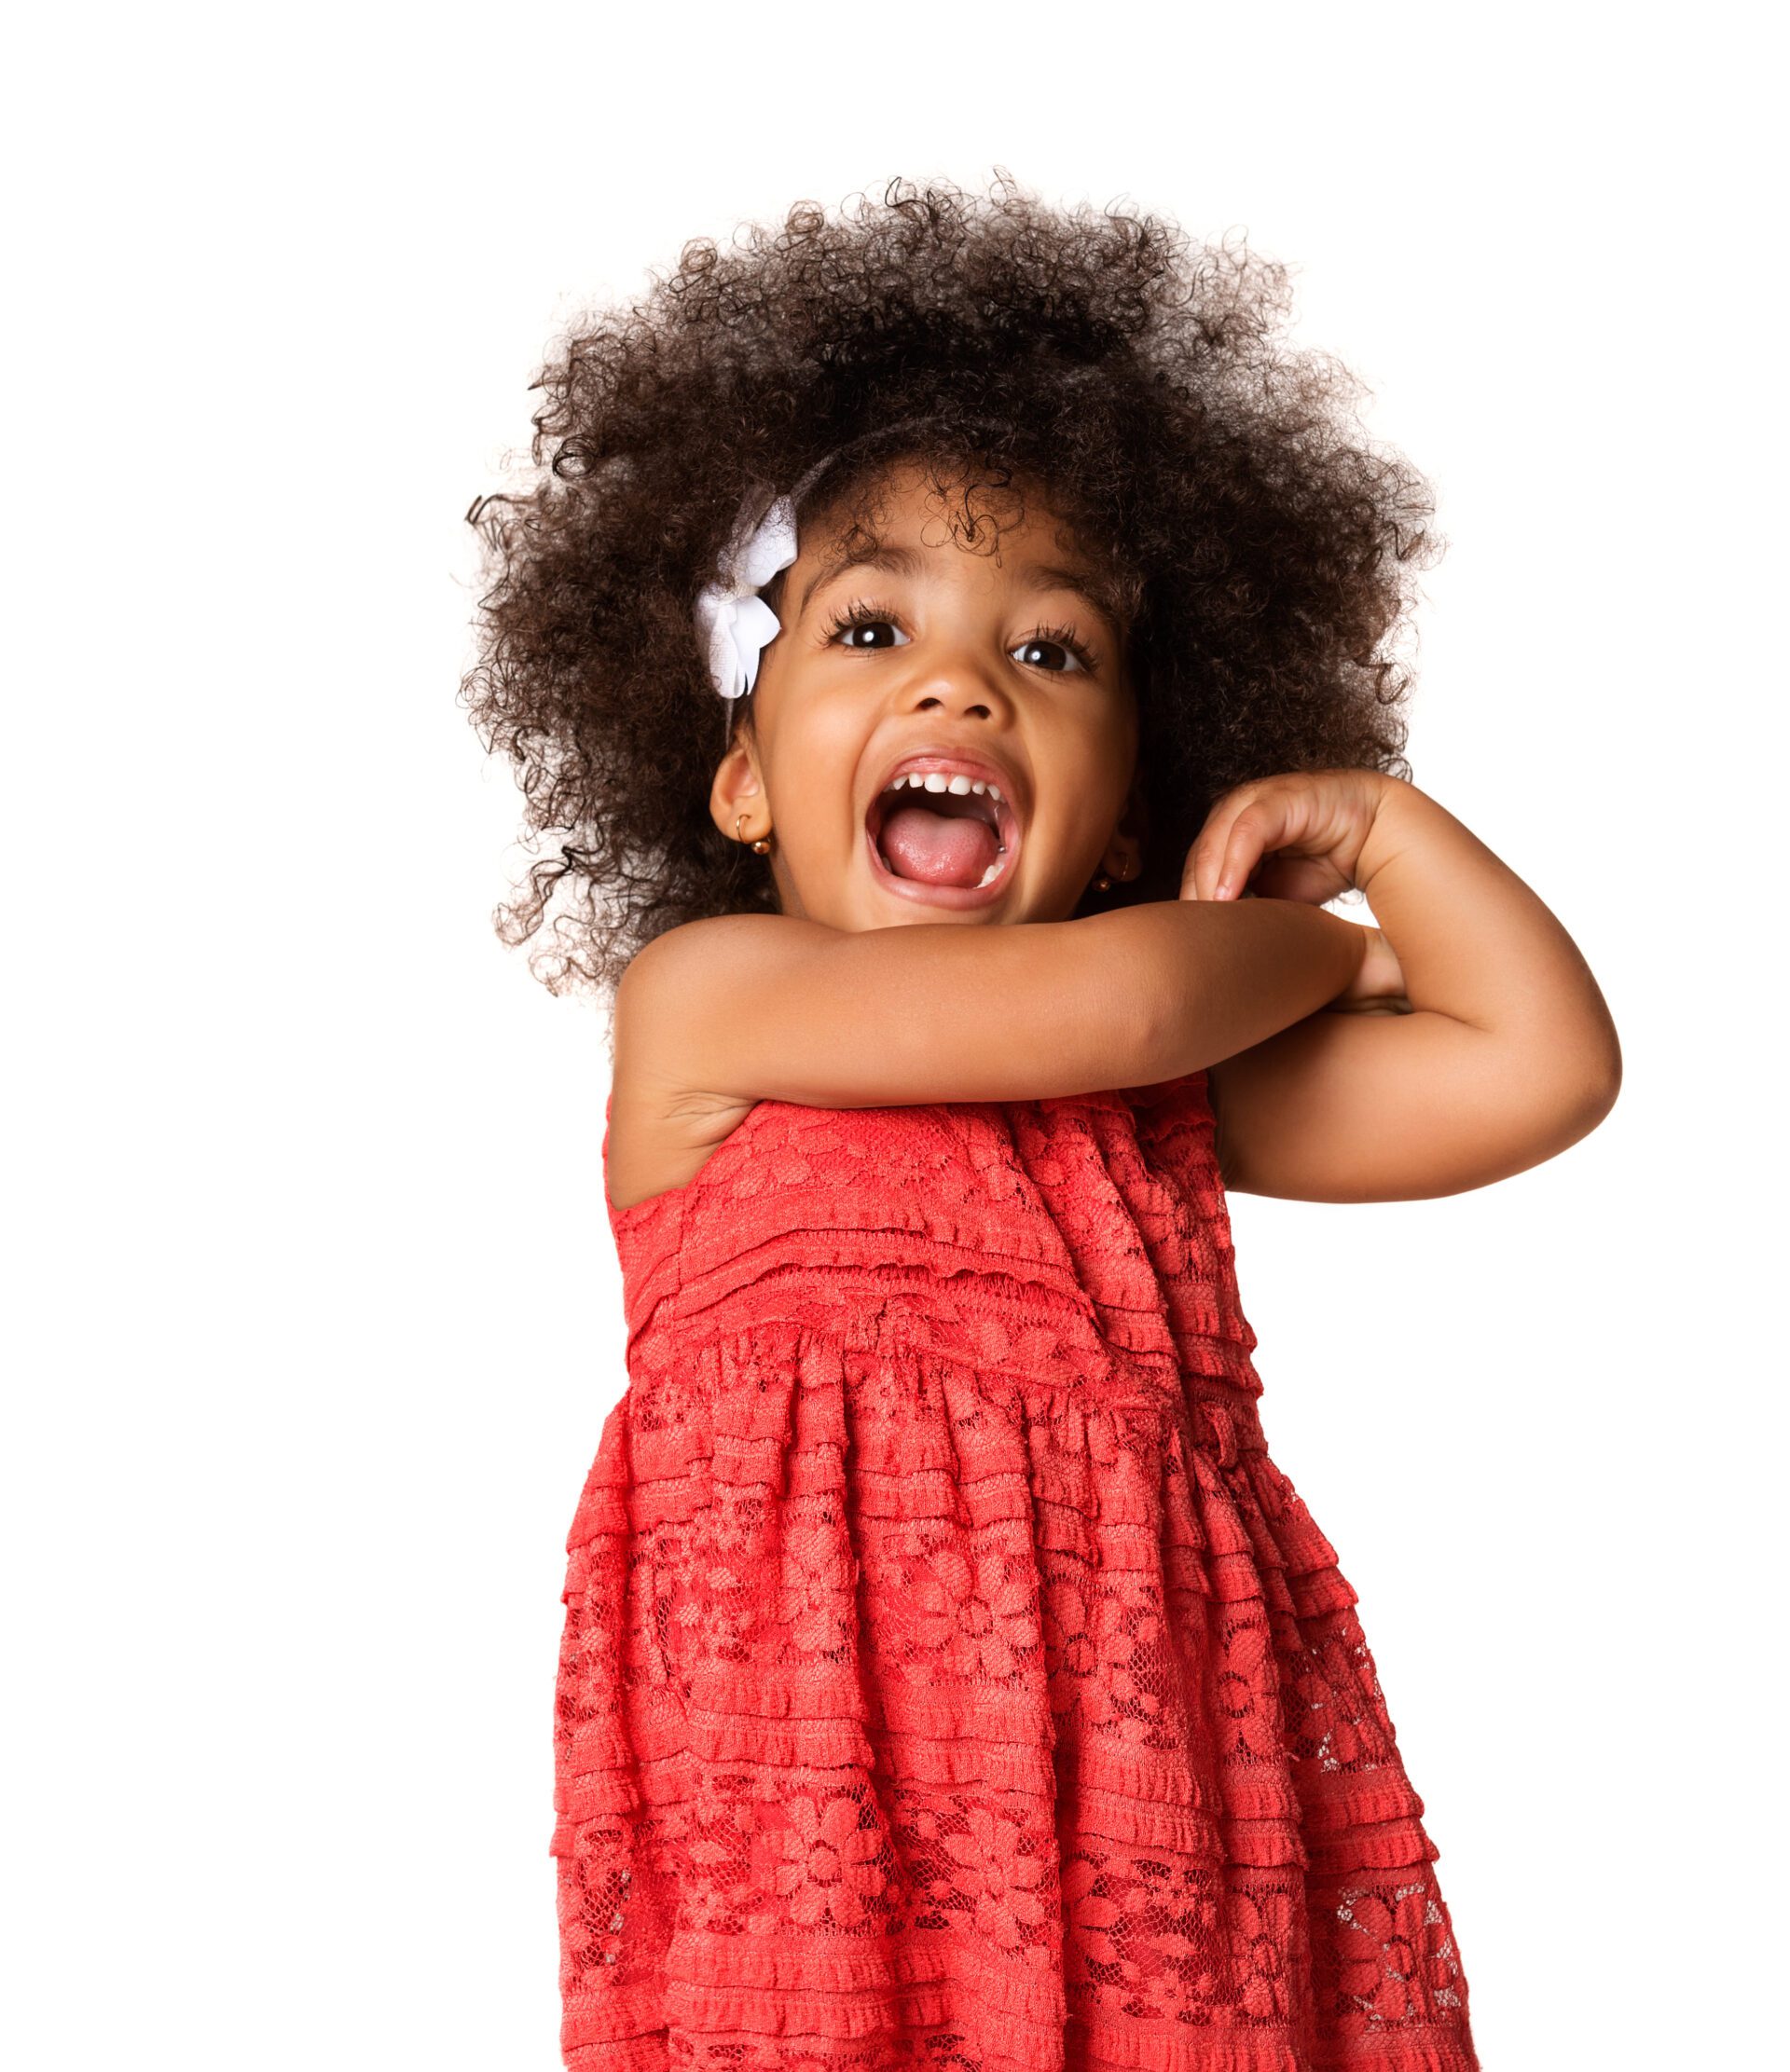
<point x="761" y="848"/>
<point x="1104" y="884"/>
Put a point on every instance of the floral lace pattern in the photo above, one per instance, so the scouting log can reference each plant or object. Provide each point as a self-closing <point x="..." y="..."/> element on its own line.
<point x="950" y="1679"/>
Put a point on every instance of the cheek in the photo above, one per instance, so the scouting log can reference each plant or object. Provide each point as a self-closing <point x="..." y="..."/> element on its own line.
<point x="1091" y="769"/>
<point x="813" y="775"/>
<point x="1123" y="735"/>
<point x="1070" y="825"/>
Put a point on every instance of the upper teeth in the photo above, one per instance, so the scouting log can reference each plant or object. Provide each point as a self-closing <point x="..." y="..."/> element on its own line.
<point x="936" y="780"/>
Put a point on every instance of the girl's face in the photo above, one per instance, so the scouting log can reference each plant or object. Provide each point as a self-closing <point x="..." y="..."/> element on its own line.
<point x="973" y="670"/>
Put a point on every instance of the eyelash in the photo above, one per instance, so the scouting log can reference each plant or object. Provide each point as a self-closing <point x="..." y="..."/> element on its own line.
<point x="869" y="613"/>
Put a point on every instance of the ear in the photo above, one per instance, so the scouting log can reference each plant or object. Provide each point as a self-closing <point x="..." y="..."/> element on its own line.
<point x="1124" y="851"/>
<point x="738" y="789"/>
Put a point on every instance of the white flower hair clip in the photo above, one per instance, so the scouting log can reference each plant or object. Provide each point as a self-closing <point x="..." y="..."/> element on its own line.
<point x="735" y="623"/>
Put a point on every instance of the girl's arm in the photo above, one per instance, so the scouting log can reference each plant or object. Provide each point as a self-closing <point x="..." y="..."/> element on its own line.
<point x="717" y="1014"/>
<point x="1508" y="1056"/>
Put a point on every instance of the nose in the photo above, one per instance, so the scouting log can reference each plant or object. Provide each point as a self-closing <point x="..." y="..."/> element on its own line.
<point x="958" y="680"/>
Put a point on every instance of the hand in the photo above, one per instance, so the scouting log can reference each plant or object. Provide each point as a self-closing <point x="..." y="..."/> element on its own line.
<point x="1297" y="836"/>
<point x="1301" y="836"/>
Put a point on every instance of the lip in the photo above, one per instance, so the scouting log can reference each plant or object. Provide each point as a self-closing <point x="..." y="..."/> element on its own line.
<point x="949" y="764"/>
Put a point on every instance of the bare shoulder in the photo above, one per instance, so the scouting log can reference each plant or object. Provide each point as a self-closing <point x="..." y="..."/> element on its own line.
<point x="666" y="1120"/>
<point x="688" y="971"/>
<point x="699" y="1006"/>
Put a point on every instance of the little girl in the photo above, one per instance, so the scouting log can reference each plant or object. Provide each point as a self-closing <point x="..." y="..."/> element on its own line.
<point x="950" y="638"/>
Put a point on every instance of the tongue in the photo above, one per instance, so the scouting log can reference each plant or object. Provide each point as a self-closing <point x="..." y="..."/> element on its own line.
<point x="936" y="847"/>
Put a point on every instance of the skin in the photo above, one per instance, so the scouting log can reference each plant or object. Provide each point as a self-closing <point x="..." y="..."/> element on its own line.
<point x="1459" y="1041"/>
<point x="1501" y="1051"/>
<point x="832" y="704"/>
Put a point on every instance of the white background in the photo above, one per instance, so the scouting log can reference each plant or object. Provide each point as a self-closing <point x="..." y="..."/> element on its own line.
<point x="314" y="1311"/>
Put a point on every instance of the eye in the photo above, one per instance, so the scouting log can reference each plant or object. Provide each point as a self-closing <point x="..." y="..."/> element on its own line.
<point x="869" y="618"/>
<point x="1080" y="659"/>
<point x="1057" y="637"/>
<point x="863" y="618"/>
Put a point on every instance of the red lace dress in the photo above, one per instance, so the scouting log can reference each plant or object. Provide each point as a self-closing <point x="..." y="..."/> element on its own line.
<point x="950" y="1679"/>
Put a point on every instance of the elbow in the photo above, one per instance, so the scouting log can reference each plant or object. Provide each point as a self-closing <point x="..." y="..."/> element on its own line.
<point x="1594" y="1104"/>
<point x="1582" y="1070"/>
<point x="1549" y="1098"/>
<point x="1603" y="1077"/>
<point x="1611" y="1083"/>
<point x="1596" y="1076"/>
<point x="1584" y="1099"/>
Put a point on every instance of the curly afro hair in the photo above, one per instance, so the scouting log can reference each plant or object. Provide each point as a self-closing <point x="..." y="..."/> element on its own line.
<point x="1258" y="548"/>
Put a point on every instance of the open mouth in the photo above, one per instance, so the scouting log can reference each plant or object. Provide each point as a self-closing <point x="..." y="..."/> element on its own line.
<point x="945" y="834"/>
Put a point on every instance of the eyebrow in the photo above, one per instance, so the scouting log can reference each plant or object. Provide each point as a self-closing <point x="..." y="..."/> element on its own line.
<point x="910" y="561"/>
<point x="898" y="560"/>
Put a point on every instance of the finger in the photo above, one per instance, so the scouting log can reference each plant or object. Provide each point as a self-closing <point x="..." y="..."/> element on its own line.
<point x="1277" y="833"/>
<point x="1285" y="874"/>
<point x="1208" y="861"/>
<point x="1253" y="830"/>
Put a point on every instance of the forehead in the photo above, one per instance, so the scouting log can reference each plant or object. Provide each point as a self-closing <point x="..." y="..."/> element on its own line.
<point x="917" y="518"/>
<point x="968" y="505"/>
